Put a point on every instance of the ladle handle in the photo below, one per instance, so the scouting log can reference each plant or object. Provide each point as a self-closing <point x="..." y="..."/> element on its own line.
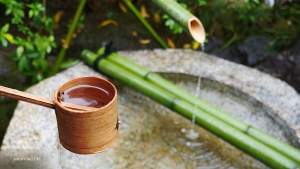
<point x="27" y="97"/>
<point x="38" y="100"/>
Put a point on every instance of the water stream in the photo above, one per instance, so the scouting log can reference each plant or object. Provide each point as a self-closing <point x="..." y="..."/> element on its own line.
<point x="202" y="47"/>
<point x="191" y="133"/>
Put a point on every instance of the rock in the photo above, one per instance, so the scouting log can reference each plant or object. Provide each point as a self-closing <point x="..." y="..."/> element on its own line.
<point x="152" y="136"/>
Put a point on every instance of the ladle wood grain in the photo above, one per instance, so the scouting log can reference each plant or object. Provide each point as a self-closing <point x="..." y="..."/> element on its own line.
<point x="38" y="100"/>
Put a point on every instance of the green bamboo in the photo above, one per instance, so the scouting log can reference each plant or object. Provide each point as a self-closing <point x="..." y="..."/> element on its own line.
<point x="230" y="134"/>
<point x="145" y="24"/>
<point x="156" y="79"/>
<point x="184" y="18"/>
<point x="68" y="38"/>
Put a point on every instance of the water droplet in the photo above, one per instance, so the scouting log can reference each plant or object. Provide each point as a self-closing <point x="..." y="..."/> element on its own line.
<point x="188" y="143"/>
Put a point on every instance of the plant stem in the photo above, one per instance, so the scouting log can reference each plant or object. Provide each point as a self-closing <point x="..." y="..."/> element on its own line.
<point x="68" y="38"/>
<point x="229" y="42"/>
<point x="145" y="24"/>
<point x="225" y="131"/>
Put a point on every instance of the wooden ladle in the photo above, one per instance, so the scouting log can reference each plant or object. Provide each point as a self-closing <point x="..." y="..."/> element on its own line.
<point x="81" y="129"/>
<point x="38" y="100"/>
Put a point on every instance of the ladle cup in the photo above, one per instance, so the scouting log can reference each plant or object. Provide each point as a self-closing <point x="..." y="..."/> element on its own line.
<point x="81" y="129"/>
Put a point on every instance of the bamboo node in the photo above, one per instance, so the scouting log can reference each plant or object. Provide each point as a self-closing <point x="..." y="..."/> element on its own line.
<point x="248" y="128"/>
<point x="174" y="100"/>
<point x="147" y="74"/>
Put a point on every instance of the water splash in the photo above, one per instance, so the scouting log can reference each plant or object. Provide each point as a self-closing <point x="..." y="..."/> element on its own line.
<point x="191" y="133"/>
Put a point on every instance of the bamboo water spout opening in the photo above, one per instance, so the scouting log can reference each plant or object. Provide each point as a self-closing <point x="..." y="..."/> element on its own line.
<point x="190" y="24"/>
<point x="196" y="29"/>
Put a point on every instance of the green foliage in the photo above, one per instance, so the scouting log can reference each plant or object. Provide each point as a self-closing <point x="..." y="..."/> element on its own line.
<point x="4" y="36"/>
<point x="169" y="22"/>
<point x="79" y="25"/>
<point x="33" y="39"/>
<point x="235" y="21"/>
<point x="202" y="2"/>
<point x="172" y="25"/>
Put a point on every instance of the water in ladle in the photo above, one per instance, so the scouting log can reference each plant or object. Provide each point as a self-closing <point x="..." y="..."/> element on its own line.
<point x="85" y="95"/>
<point x="191" y="133"/>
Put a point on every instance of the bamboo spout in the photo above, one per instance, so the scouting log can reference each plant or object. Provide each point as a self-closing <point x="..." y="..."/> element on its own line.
<point x="191" y="24"/>
<point x="38" y="100"/>
<point x="196" y="29"/>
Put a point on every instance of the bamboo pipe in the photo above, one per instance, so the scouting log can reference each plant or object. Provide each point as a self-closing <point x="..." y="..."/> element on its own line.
<point x="235" y="137"/>
<point x="156" y="79"/>
<point x="38" y="100"/>
<point x="191" y="24"/>
<point x="164" y="84"/>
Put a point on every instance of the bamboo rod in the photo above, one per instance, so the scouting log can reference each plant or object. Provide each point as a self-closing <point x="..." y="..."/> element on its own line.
<point x="184" y="18"/>
<point x="230" y="134"/>
<point x="67" y="41"/>
<point x="38" y="100"/>
<point x="145" y="24"/>
<point x="164" y="84"/>
<point x="156" y="79"/>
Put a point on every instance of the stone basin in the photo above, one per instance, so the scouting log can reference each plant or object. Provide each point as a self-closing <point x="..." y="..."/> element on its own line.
<point x="151" y="135"/>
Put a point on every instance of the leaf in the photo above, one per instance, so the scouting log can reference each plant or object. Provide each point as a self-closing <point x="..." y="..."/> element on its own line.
<point x="51" y="38"/>
<point x="4" y="42"/>
<point x="144" y="41"/>
<point x="134" y="33"/>
<point x="57" y="16"/>
<point x="202" y="2"/>
<point x="9" y="37"/>
<point x="33" y="55"/>
<point x="69" y="63"/>
<point x="20" y="51"/>
<point x="23" y="64"/>
<point x="170" y="43"/>
<point x="40" y="64"/>
<point x="122" y="7"/>
<point x="48" y="49"/>
<point x="107" y="22"/>
<point x="186" y="46"/>
<point x="195" y="45"/>
<point x="8" y="11"/>
<point x="29" y="45"/>
<point x="30" y="13"/>
<point x="156" y="17"/>
<point x="256" y="1"/>
<point x="5" y="28"/>
<point x="42" y="44"/>
<point x="143" y="12"/>
<point x="39" y="76"/>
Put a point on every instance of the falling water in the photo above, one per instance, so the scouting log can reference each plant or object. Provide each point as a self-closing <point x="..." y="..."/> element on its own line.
<point x="202" y="47"/>
<point x="192" y="134"/>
